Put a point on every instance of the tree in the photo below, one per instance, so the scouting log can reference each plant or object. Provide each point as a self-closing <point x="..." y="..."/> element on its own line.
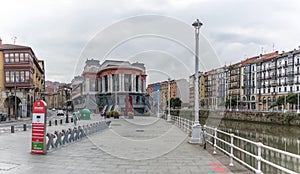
<point x="175" y="102"/>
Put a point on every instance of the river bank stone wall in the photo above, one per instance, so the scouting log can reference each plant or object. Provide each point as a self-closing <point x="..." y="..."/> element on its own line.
<point x="262" y="117"/>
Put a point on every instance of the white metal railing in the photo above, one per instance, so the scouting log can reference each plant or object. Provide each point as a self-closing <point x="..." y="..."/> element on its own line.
<point x="183" y="123"/>
<point x="256" y="156"/>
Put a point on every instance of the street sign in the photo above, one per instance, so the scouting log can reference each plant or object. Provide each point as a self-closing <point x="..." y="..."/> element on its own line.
<point x="38" y="140"/>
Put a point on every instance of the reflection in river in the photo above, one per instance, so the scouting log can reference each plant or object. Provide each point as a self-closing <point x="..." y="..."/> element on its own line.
<point x="278" y="136"/>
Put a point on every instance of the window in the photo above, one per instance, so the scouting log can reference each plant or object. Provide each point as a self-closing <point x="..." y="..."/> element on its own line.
<point x="6" y="58"/>
<point x="26" y="57"/>
<point x="284" y="89"/>
<point x="26" y="75"/>
<point x="12" y="57"/>
<point x="16" y="57"/>
<point x="269" y="90"/>
<point x="115" y="78"/>
<point x="17" y="76"/>
<point x="12" y="77"/>
<point x="127" y="82"/>
<point x="105" y="83"/>
<point x="291" y="89"/>
<point x="137" y="83"/>
<point x="297" y="88"/>
<point x="21" y="57"/>
<point x="7" y="76"/>
<point x="22" y="76"/>
<point x="279" y="90"/>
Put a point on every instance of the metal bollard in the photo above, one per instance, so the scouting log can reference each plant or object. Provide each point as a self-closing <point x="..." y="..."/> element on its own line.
<point x="58" y="139"/>
<point x="24" y="127"/>
<point x="61" y="121"/>
<point x="55" y="122"/>
<point x="71" y="120"/>
<point x="50" y="141"/>
<point x="66" y="136"/>
<point x="49" y="123"/>
<point x="12" y="129"/>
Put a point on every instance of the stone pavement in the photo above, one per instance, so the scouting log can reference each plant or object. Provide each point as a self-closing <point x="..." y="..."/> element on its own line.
<point x="139" y="145"/>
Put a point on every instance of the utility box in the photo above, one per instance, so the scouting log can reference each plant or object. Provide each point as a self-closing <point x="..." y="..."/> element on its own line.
<point x="38" y="137"/>
<point x="85" y="114"/>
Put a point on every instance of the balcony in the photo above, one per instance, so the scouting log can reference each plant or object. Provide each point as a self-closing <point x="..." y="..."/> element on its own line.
<point x="290" y="73"/>
<point x="290" y="82"/>
<point x="274" y="83"/>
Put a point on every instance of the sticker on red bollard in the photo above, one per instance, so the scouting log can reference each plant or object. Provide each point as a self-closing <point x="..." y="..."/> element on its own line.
<point x="38" y="140"/>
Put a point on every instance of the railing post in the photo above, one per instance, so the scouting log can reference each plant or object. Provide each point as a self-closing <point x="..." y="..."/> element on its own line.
<point x="186" y="125"/>
<point x="231" y="149"/>
<point x="215" y="140"/>
<point x="298" y="142"/>
<point x="24" y="127"/>
<point x="258" y="158"/>
<point x="12" y="129"/>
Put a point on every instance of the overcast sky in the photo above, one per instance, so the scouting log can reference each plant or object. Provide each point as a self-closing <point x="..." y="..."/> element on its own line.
<point x="156" y="32"/>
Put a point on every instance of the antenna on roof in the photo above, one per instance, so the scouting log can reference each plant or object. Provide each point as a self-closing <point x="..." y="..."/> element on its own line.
<point x="14" y="38"/>
<point x="262" y="50"/>
<point x="273" y="47"/>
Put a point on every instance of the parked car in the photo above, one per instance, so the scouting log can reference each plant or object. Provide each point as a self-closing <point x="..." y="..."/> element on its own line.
<point x="60" y="113"/>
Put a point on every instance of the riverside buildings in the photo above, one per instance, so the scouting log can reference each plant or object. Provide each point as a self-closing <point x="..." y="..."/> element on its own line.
<point x="251" y="84"/>
<point x="109" y="86"/>
<point x="22" y="79"/>
<point x="178" y="89"/>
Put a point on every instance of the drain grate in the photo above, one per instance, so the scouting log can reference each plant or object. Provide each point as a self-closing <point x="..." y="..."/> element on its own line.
<point x="139" y="130"/>
<point x="115" y="124"/>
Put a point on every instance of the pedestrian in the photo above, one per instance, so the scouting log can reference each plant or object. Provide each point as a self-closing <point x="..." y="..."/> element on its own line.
<point x="75" y="118"/>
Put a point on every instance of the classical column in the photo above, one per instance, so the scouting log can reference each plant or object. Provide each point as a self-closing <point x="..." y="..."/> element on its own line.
<point x="103" y="84"/>
<point x="132" y="82"/>
<point x="110" y="82"/>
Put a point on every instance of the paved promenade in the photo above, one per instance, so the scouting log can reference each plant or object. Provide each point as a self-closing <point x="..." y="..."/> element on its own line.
<point x="139" y="145"/>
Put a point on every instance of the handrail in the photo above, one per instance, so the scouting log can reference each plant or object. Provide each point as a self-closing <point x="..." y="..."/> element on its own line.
<point x="231" y="147"/>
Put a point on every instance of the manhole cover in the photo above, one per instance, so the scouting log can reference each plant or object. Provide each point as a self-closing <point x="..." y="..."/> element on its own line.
<point x="139" y="130"/>
<point x="115" y="124"/>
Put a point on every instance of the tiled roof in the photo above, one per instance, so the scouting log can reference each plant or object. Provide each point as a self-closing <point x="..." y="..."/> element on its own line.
<point x="12" y="47"/>
<point x="250" y="60"/>
<point x="264" y="57"/>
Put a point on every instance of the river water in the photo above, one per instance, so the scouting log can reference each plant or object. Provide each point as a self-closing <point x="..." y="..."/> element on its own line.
<point x="282" y="137"/>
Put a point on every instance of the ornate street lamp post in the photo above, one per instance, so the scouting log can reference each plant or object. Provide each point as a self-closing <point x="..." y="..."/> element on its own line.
<point x="195" y="139"/>
<point x="8" y="105"/>
<point x="67" y="109"/>
<point x="298" y="111"/>
<point x="169" y="102"/>
<point x="157" y="103"/>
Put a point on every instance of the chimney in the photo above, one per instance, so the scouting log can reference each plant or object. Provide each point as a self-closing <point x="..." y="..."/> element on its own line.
<point x="0" y="41"/>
